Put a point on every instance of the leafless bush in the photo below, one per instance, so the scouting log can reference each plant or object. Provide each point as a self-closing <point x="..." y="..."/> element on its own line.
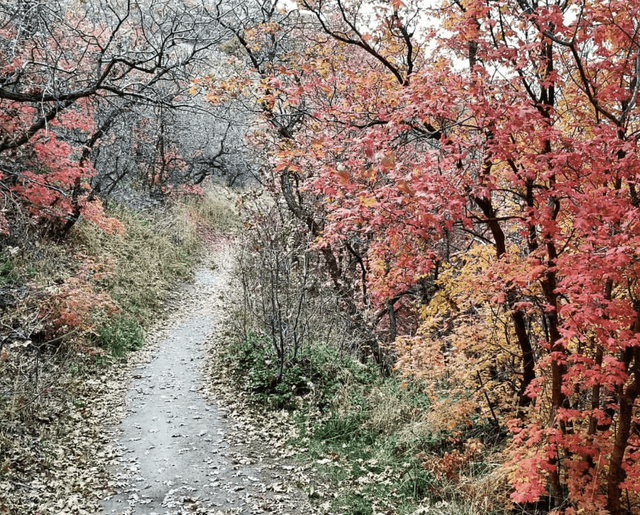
<point x="284" y="295"/>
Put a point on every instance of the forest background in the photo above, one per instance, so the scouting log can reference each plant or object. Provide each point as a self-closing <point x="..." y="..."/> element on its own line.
<point x="445" y="193"/>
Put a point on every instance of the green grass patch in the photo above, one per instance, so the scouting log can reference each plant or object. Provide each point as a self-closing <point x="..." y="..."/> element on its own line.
<point x="314" y="374"/>
<point x="6" y="268"/>
<point x="121" y="336"/>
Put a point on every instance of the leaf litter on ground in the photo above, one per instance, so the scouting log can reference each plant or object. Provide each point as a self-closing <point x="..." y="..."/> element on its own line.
<point x="219" y="456"/>
<point x="83" y="466"/>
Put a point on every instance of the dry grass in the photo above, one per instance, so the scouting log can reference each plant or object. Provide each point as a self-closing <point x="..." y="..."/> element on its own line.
<point x="488" y="492"/>
<point x="143" y="263"/>
<point x="158" y="249"/>
<point x="218" y="209"/>
<point x="388" y="413"/>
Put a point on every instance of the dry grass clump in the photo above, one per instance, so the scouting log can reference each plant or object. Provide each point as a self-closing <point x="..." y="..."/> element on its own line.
<point x="387" y="408"/>
<point x="490" y="492"/>
<point x="387" y="412"/>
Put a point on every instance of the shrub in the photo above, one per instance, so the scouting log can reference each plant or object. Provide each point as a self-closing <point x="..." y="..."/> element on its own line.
<point x="121" y="336"/>
<point x="316" y="373"/>
<point x="76" y="306"/>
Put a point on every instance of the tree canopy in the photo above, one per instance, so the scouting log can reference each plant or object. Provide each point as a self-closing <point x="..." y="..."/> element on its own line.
<point x="478" y="162"/>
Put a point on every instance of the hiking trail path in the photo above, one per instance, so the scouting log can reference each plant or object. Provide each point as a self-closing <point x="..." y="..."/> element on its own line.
<point x="184" y="444"/>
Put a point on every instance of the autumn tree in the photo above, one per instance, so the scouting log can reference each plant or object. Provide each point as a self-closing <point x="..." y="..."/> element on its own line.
<point x="269" y="42"/>
<point x="70" y="70"/>
<point x="485" y="155"/>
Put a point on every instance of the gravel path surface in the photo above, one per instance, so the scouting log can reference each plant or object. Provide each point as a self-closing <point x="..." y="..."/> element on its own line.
<point x="177" y="451"/>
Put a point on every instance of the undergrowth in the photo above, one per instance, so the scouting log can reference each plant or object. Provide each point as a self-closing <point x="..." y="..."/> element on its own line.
<point x="371" y="437"/>
<point x="313" y="376"/>
<point x="375" y="444"/>
<point x="121" y="336"/>
<point x="382" y="443"/>
<point x="69" y="312"/>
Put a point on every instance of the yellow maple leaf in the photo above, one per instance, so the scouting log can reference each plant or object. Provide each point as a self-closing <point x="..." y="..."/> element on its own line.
<point x="367" y="201"/>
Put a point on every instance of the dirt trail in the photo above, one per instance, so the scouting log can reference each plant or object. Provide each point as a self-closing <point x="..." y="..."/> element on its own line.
<point x="174" y="456"/>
